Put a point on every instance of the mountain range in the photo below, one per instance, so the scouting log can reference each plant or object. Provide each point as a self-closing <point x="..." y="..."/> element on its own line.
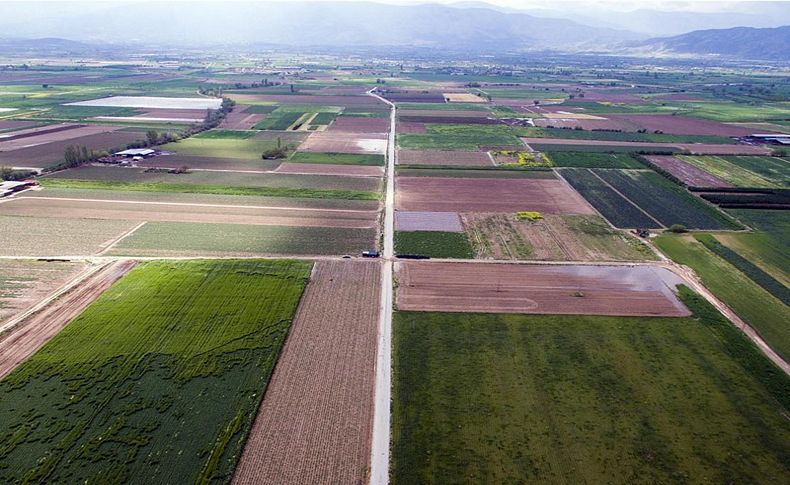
<point x="473" y="27"/>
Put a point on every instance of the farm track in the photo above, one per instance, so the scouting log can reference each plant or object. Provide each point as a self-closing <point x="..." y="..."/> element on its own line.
<point x="315" y="422"/>
<point x="32" y="330"/>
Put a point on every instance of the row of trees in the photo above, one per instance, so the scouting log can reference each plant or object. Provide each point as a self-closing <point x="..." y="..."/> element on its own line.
<point x="76" y="155"/>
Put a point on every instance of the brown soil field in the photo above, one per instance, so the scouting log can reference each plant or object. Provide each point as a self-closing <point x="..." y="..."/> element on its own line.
<point x="550" y="196"/>
<point x="24" y="283"/>
<point x="354" y="124"/>
<point x="208" y="163"/>
<point x="415" y="97"/>
<point x="25" y="338"/>
<point x="428" y="221"/>
<point x="330" y="169"/>
<point x="50" y="134"/>
<point x="342" y="142"/>
<point x="612" y="97"/>
<point x="239" y="120"/>
<point x="51" y="153"/>
<point x="316" y="420"/>
<point x="561" y="115"/>
<point x="437" y="157"/>
<point x="681" y="125"/>
<point x="306" y="99"/>
<point x="687" y="173"/>
<point x="530" y="288"/>
<point x="14" y="124"/>
<point x="196" y="114"/>
<point x="174" y="212"/>
<point x="410" y="127"/>
<point x="553" y="238"/>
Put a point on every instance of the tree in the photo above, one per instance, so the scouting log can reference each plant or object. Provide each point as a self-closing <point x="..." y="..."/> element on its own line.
<point x="152" y="136"/>
<point x="678" y="228"/>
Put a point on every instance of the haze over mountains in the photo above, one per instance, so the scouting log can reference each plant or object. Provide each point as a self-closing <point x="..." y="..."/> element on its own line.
<point x="468" y="26"/>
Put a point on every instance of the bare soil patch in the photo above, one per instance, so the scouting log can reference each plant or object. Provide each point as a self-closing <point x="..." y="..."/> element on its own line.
<point x="239" y="120"/>
<point x="530" y="288"/>
<point x="208" y="163"/>
<point x="687" y="173"/>
<point x="316" y="419"/>
<point x="410" y="127"/>
<point x="25" y="338"/>
<point x="343" y="142"/>
<point x="49" y="154"/>
<point x="436" y="157"/>
<point x="353" y="124"/>
<point x="551" y="196"/>
<point x="463" y="98"/>
<point x="681" y="125"/>
<point x="43" y="135"/>
<point x="693" y="148"/>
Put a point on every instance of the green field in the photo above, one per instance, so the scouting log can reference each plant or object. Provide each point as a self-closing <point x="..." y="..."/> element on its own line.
<point x="551" y="147"/>
<point x="767" y="245"/>
<point x="337" y="158"/>
<point x="157" y="381"/>
<point x="459" y="137"/>
<point x="772" y="169"/>
<point x="766" y="314"/>
<point x="483" y="398"/>
<point x="594" y="160"/>
<point x="225" y="134"/>
<point x="249" y="148"/>
<point x="728" y="171"/>
<point x="435" y="244"/>
<point x="193" y="188"/>
<point x="202" y="239"/>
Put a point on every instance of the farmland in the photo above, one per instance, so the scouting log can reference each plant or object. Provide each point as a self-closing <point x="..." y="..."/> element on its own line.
<point x="529" y="288"/>
<point x="553" y="237"/>
<point x="594" y="160"/>
<point x="736" y="174"/>
<point x="753" y="304"/>
<point x="516" y="398"/>
<point x="435" y="244"/>
<point x="203" y="333"/>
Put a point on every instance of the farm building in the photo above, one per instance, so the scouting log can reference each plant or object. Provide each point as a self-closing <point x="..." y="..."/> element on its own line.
<point x="773" y="138"/>
<point x="136" y="152"/>
<point x="8" y="188"/>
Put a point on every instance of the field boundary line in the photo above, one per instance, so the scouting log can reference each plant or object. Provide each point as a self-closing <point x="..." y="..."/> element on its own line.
<point x="195" y="204"/>
<point x="380" y="448"/>
<point x="120" y="238"/>
<point x="626" y="198"/>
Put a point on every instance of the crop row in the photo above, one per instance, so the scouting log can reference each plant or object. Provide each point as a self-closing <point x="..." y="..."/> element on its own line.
<point x="609" y="203"/>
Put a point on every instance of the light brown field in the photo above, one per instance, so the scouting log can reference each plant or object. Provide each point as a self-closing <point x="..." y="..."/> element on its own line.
<point x="693" y="148"/>
<point x="316" y="419"/>
<point x="438" y="157"/>
<point x="25" y="283"/>
<point x="463" y="98"/>
<point x="64" y="208"/>
<point x="567" y="115"/>
<point x="53" y="136"/>
<point x="553" y="238"/>
<point x="345" y="142"/>
<point x="25" y="338"/>
<point x="531" y="288"/>
<point x="439" y="194"/>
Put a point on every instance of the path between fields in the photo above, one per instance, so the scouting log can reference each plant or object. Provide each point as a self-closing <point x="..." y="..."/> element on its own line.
<point x="380" y="450"/>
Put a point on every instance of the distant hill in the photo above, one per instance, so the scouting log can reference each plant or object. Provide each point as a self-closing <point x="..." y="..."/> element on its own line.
<point x="740" y="42"/>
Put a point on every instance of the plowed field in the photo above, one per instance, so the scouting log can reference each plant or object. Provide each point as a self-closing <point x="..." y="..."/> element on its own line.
<point x="529" y="288"/>
<point x="315" y="422"/>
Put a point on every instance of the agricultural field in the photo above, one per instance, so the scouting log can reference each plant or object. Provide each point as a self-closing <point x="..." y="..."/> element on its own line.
<point x="178" y="239"/>
<point x="51" y="237"/>
<point x="594" y="160"/>
<point x="324" y="376"/>
<point x="460" y="137"/>
<point x="552" y="237"/>
<point x="434" y="244"/>
<point x="337" y="158"/>
<point x="444" y="158"/>
<point x="642" y="290"/>
<point x="738" y="173"/>
<point x="766" y="245"/>
<point x="549" y="398"/>
<point x="249" y="148"/>
<point x="761" y="310"/>
<point x="143" y="404"/>
<point x="24" y="283"/>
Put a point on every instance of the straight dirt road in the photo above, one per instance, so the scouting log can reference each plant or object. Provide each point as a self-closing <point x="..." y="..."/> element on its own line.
<point x="379" y="466"/>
